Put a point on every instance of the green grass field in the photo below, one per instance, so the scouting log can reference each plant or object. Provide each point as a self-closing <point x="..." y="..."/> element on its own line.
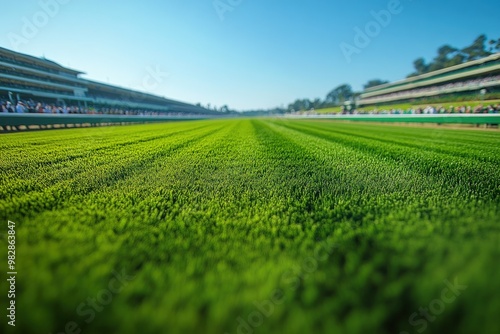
<point x="253" y="226"/>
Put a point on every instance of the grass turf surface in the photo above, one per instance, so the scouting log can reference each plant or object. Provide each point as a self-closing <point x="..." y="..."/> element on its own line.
<point x="263" y="226"/>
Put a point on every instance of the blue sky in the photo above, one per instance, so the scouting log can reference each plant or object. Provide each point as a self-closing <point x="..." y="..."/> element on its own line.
<point x="249" y="54"/>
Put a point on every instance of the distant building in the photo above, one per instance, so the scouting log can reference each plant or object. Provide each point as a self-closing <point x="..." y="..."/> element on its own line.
<point x="24" y="77"/>
<point x="472" y="78"/>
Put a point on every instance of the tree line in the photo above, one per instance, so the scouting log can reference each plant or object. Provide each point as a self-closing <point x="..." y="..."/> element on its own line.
<point x="446" y="56"/>
<point x="449" y="56"/>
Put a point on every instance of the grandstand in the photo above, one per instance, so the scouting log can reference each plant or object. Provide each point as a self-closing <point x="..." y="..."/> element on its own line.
<point x="478" y="77"/>
<point x="34" y="80"/>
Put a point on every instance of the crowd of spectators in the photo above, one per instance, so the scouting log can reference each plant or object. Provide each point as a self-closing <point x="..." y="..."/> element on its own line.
<point x="439" y="89"/>
<point x="464" y="109"/>
<point x="30" y="106"/>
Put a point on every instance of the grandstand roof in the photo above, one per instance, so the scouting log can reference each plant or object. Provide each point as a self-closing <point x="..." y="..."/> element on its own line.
<point x="121" y="91"/>
<point x="417" y="86"/>
<point x="431" y="75"/>
<point x="25" y="74"/>
<point x="43" y="62"/>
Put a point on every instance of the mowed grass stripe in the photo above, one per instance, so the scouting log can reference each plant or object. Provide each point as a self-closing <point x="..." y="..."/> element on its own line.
<point x="455" y="171"/>
<point x="25" y="160"/>
<point x="96" y="171"/>
<point x="342" y="150"/>
<point x="435" y="140"/>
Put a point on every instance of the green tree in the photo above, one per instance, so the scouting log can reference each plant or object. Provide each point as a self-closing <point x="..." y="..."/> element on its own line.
<point x="445" y="53"/>
<point x="492" y="43"/>
<point x="299" y="105"/>
<point x="317" y="103"/>
<point x="420" y="66"/>
<point x="477" y="49"/>
<point x="458" y="58"/>
<point x="449" y="56"/>
<point x="374" y="83"/>
<point x="340" y="94"/>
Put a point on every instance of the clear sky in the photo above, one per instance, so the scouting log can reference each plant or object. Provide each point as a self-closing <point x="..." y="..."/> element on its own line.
<point x="243" y="53"/>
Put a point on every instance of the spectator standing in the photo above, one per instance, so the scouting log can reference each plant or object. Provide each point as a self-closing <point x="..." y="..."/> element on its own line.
<point x="20" y="107"/>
